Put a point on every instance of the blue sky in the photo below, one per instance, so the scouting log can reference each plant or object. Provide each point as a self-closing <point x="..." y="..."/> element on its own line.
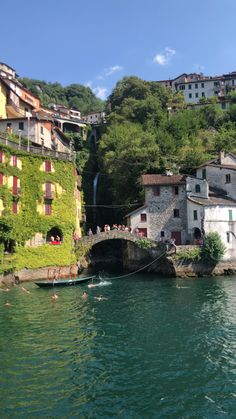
<point x="97" y="42"/>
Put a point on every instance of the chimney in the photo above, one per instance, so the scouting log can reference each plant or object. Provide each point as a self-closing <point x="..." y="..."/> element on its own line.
<point x="221" y="156"/>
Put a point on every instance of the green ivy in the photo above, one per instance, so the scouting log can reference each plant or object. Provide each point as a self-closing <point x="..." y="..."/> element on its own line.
<point x="24" y="225"/>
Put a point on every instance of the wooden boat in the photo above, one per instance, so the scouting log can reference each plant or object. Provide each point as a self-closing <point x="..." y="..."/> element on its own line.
<point x="63" y="282"/>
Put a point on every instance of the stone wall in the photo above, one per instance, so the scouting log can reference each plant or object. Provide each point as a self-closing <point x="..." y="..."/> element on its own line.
<point x="36" y="274"/>
<point x="161" y="212"/>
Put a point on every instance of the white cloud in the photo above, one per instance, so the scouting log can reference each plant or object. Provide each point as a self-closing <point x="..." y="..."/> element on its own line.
<point x="100" y="92"/>
<point x="110" y="70"/>
<point x="89" y="83"/>
<point x="164" y="57"/>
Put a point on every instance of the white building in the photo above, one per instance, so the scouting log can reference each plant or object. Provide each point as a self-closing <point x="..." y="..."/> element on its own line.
<point x="197" y="86"/>
<point x="94" y="118"/>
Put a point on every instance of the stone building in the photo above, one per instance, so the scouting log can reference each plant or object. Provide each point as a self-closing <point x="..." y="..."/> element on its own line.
<point x="165" y="213"/>
<point x="187" y="207"/>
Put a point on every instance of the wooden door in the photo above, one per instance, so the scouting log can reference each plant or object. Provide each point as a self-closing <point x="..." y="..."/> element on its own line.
<point x="177" y="236"/>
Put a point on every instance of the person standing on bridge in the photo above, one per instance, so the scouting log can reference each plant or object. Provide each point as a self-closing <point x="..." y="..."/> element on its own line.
<point x="98" y="230"/>
<point x="90" y="233"/>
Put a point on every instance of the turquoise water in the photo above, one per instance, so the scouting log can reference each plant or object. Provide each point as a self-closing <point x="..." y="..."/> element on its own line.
<point x="150" y="350"/>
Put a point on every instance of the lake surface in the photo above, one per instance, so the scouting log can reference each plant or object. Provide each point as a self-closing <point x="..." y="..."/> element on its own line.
<point x="150" y="350"/>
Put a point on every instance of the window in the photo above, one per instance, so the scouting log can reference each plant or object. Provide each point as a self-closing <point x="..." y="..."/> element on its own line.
<point x="15" y="185"/>
<point x="190" y="86"/>
<point x="1" y="178"/>
<point x="195" y="214"/>
<point x="14" y="161"/>
<point x="196" y="85"/>
<point x="48" y="209"/>
<point x="202" y="85"/>
<point x="176" y="213"/>
<point x="228" y="237"/>
<point x="230" y="215"/>
<point x="216" y="83"/>
<point x="196" y="94"/>
<point x="203" y="94"/>
<point x="48" y="190"/>
<point x="162" y="234"/>
<point x="14" y="207"/>
<point x="156" y="190"/>
<point x="143" y="218"/>
<point x="41" y="129"/>
<point x="223" y="105"/>
<point x="197" y="188"/>
<point x="190" y="95"/>
<point x="176" y="190"/>
<point x="228" y="178"/>
<point x="48" y="166"/>
<point x="204" y="173"/>
<point x="21" y="126"/>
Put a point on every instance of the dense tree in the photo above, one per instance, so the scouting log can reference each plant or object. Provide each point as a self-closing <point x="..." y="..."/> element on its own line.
<point x="75" y="96"/>
<point x="126" y="151"/>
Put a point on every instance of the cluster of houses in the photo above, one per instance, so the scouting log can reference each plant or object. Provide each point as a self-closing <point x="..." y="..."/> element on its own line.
<point x="22" y="114"/>
<point x="195" y="86"/>
<point x="185" y="208"/>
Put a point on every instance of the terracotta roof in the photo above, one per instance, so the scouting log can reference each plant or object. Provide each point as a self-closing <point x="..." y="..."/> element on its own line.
<point x="163" y="180"/>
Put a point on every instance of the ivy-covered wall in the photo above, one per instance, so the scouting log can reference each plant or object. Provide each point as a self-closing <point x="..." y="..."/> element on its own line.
<point x="28" y="221"/>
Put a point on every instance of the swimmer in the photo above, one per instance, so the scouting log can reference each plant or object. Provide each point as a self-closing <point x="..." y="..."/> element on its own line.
<point x="5" y="290"/>
<point x="84" y="295"/>
<point x="25" y="290"/>
<point x="100" y="298"/>
<point x="91" y="285"/>
<point x="54" y="296"/>
<point x="7" y="304"/>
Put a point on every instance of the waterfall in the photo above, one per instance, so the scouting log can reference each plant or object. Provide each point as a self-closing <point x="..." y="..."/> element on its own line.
<point x="95" y="185"/>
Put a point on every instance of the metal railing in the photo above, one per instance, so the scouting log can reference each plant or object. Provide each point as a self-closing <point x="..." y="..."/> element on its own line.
<point x="40" y="151"/>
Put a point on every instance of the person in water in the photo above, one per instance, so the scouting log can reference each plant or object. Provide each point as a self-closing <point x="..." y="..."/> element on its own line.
<point x="85" y="295"/>
<point x="25" y="290"/>
<point x="100" y="298"/>
<point x="54" y="297"/>
<point x="7" y="304"/>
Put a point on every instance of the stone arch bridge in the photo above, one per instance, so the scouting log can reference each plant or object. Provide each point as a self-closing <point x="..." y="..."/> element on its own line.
<point x="112" y="235"/>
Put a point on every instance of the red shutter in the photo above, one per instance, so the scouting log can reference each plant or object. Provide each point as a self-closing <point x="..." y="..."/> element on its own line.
<point x="14" y="207"/>
<point x="48" y="166"/>
<point x="1" y="178"/>
<point x="14" y="161"/>
<point x="15" y="184"/>
<point x="156" y="190"/>
<point x="48" y="190"/>
<point x="48" y="209"/>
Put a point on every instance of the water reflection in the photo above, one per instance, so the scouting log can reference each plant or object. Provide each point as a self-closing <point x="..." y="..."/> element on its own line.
<point x="150" y="349"/>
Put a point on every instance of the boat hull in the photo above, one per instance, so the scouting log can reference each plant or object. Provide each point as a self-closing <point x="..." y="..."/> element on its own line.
<point x="63" y="282"/>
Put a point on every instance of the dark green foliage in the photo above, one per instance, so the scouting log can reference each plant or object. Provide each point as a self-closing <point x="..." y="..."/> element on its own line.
<point x="75" y="96"/>
<point x="213" y="249"/>
<point x="150" y="129"/>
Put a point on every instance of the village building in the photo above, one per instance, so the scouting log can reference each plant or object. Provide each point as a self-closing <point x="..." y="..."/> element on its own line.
<point x="195" y="86"/>
<point x="185" y="208"/>
<point x="95" y="118"/>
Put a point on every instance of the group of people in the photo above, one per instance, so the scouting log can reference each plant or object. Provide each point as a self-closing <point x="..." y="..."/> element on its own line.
<point x="55" y="240"/>
<point x="107" y="228"/>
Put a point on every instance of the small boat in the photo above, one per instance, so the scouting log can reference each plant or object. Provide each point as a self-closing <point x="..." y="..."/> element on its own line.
<point x="63" y="282"/>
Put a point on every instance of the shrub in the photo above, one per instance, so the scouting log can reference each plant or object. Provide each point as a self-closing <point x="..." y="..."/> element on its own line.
<point x="213" y="249"/>
<point x="144" y="243"/>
